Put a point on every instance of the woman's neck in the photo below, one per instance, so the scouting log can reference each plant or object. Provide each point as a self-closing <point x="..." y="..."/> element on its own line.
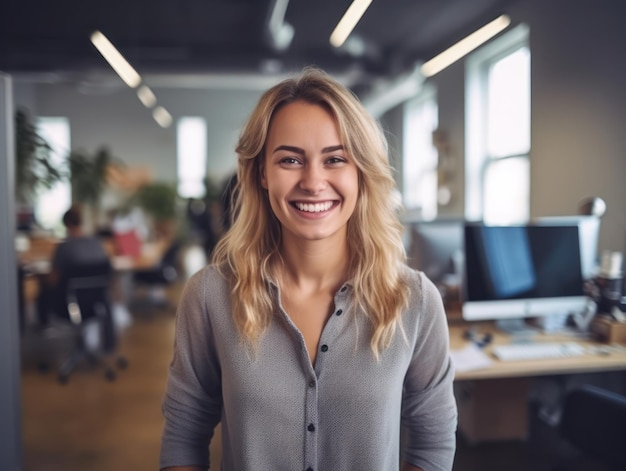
<point x="314" y="265"/>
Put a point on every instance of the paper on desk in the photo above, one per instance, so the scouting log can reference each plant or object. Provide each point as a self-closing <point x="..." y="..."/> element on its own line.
<point x="469" y="358"/>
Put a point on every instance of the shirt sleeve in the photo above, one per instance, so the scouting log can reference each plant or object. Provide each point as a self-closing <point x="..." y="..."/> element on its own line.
<point x="193" y="400"/>
<point x="429" y="412"/>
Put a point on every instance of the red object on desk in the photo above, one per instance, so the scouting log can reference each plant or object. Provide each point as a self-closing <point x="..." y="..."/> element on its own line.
<point x="127" y="243"/>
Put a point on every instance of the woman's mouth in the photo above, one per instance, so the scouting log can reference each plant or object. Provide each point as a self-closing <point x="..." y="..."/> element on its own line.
<point x="314" y="207"/>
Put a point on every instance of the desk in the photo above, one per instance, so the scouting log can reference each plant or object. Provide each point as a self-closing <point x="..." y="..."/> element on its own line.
<point x="36" y="263"/>
<point x="493" y="401"/>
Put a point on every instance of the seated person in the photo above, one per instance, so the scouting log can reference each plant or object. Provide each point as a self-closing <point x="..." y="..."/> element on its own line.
<point x="76" y="249"/>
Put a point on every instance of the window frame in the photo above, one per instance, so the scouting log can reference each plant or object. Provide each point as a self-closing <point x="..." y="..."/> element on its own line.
<point x="477" y="159"/>
<point x="427" y="96"/>
<point x="199" y="176"/>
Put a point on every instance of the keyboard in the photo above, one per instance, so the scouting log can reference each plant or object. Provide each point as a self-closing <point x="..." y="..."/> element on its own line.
<point x="537" y="351"/>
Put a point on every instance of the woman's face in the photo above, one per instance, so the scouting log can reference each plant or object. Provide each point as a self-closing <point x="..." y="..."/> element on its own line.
<point x="311" y="181"/>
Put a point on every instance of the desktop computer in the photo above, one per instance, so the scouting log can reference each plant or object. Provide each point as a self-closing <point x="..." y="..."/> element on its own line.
<point x="435" y="247"/>
<point x="513" y="273"/>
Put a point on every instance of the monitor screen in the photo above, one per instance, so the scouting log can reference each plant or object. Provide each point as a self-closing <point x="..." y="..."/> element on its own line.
<point x="435" y="247"/>
<point x="588" y="232"/>
<point x="523" y="271"/>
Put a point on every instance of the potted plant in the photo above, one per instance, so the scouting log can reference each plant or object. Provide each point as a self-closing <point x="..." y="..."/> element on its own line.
<point x="33" y="170"/>
<point x="158" y="200"/>
<point x="88" y="178"/>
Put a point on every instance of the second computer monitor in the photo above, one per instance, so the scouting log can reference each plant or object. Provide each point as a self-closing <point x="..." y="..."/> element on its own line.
<point x="435" y="247"/>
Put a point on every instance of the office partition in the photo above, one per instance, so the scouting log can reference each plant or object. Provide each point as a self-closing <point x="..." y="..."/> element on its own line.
<point x="10" y="403"/>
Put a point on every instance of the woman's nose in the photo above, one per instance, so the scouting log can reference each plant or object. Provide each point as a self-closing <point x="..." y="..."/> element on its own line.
<point x="313" y="179"/>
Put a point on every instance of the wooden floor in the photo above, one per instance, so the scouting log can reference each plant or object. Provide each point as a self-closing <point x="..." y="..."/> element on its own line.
<point x="90" y="423"/>
<point x="95" y="425"/>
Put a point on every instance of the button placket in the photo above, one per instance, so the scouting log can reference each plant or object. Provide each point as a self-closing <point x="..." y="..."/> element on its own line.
<point x="310" y="423"/>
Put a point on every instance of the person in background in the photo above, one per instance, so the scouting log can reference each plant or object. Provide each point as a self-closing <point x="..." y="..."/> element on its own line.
<point x="308" y="337"/>
<point x="76" y="249"/>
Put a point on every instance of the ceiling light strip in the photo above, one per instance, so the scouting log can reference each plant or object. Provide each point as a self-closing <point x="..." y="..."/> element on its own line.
<point x="115" y="59"/>
<point x="146" y="96"/>
<point x="464" y="46"/>
<point x="348" y="21"/>
<point x="162" y="117"/>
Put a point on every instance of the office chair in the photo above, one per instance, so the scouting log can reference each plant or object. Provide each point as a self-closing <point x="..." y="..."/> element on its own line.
<point x="593" y="421"/>
<point x="87" y="296"/>
<point x="166" y="272"/>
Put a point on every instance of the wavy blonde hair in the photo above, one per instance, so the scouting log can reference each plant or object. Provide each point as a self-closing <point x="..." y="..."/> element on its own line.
<point x="249" y="252"/>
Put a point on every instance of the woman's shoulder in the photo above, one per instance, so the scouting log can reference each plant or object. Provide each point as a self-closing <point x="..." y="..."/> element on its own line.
<point x="207" y="280"/>
<point x="416" y="279"/>
<point x="209" y="273"/>
<point x="420" y="286"/>
<point x="206" y="295"/>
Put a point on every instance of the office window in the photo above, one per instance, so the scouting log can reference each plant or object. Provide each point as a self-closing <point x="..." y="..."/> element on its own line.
<point x="191" y="148"/>
<point x="419" y="162"/>
<point x="50" y="204"/>
<point x="498" y="130"/>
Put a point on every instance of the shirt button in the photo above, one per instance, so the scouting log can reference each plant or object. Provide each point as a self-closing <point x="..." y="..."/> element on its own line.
<point x="312" y="383"/>
<point x="309" y="469"/>
<point x="343" y="289"/>
<point x="324" y="348"/>
<point x="311" y="428"/>
<point x="339" y="312"/>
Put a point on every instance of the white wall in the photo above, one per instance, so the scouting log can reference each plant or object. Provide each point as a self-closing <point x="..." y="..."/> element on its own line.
<point x="116" y="118"/>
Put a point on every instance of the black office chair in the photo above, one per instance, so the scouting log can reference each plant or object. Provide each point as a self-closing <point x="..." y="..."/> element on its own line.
<point x="593" y="421"/>
<point x="87" y="297"/>
<point x="165" y="273"/>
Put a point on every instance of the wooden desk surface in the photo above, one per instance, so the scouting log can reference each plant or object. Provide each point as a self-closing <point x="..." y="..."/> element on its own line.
<point x="38" y="257"/>
<point x="590" y="362"/>
<point x="37" y="261"/>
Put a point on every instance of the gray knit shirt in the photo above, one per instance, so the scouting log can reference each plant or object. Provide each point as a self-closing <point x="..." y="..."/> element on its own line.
<point x="279" y="412"/>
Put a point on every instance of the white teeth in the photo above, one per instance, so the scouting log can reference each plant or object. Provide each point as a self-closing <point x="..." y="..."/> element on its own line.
<point x="314" y="207"/>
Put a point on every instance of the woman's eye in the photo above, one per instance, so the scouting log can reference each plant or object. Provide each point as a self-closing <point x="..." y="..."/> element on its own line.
<point x="289" y="161"/>
<point x="335" y="160"/>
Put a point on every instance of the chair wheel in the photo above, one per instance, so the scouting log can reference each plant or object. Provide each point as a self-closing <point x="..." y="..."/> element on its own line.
<point x="122" y="363"/>
<point x="110" y="375"/>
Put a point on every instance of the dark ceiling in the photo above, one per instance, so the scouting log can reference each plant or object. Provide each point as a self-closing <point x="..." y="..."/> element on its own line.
<point x="231" y="36"/>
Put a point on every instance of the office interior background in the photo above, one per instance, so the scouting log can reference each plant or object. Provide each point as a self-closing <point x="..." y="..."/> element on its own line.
<point x="577" y="115"/>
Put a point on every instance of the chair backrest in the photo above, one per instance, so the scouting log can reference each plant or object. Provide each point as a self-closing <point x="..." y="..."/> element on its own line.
<point x="87" y="288"/>
<point x="594" y="421"/>
<point x="170" y="263"/>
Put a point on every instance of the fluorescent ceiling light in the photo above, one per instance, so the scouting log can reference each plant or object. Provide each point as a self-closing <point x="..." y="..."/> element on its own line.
<point x="162" y="117"/>
<point x="146" y="96"/>
<point x="348" y="21"/>
<point x="464" y="46"/>
<point x="281" y="32"/>
<point x="115" y="59"/>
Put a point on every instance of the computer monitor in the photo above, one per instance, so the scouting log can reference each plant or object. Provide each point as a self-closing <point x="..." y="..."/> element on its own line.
<point x="588" y="232"/>
<point x="523" y="271"/>
<point x="435" y="247"/>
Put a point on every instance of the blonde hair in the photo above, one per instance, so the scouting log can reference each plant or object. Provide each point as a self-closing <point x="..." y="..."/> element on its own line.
<point x="249" y="252"/>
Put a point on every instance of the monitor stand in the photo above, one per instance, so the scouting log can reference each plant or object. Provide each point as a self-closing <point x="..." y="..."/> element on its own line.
<point x="517" y="328"/>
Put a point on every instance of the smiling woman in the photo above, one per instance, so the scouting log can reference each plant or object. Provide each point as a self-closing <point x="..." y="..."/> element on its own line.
<point x="308" y="337"/>
<point x="312" y="184"/>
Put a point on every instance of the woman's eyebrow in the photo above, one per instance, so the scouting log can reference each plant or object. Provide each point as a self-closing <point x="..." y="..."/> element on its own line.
<point x="326" y="150"/>
<point x="296" y="150"/>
